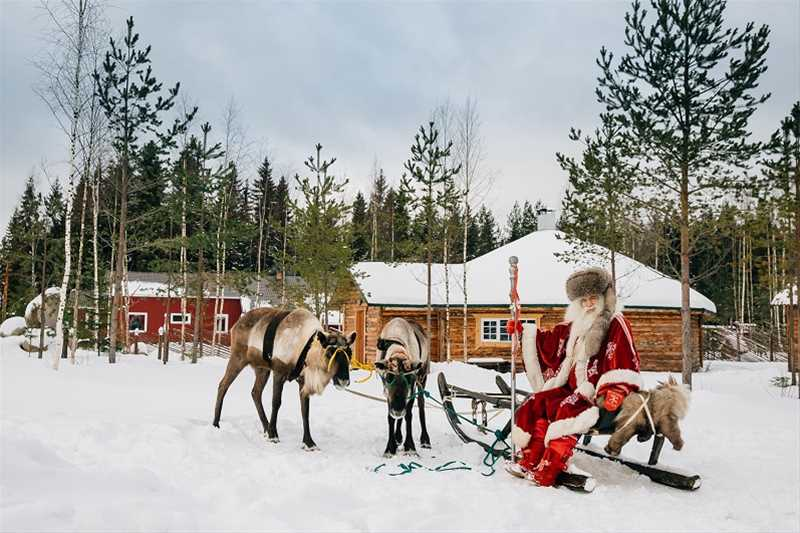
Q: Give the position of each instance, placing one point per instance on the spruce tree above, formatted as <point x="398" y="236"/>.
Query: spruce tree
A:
<point x="684" y="91"/>
<point x="599" y="194"/>
<point x="359" y="243"/>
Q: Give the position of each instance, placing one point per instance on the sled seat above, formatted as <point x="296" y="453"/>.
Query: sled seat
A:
<point x="604" y="425"/>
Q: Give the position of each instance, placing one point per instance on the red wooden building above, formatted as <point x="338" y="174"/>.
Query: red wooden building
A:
<point x="154" y="303"/>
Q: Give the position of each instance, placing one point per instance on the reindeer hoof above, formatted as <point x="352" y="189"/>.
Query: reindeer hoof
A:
<point x="274" y="439"/>
<point x="425" y="445"/>
<point x="611" y="451"/>
<point x="312" y="448"/>
<point x="410" y="453"/>
<point x="388" y="455"/>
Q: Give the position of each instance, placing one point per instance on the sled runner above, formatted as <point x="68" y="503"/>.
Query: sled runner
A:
<point x="479" y="401"/>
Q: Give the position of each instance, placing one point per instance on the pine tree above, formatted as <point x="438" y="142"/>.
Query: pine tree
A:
<point x="321" y="233"/>
<point x="428" y="170"/>
<point x="126" y="89"/>
<point x="692" y="137"/>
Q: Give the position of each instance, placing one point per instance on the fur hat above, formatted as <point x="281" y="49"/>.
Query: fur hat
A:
<point x="594" y="281"/>
<point x="588" y="281"/>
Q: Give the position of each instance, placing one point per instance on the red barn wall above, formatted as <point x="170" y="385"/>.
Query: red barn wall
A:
<point x="156" y="310"/>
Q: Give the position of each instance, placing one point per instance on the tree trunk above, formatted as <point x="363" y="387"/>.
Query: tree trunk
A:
<point x="184" y="260"/>
<point x="42" y="292"/>
<point x="78" y="269"/>
<point x="116" y="307"/>
<point x="686" y="313"/>
<point x="446" y="295"/>
<point x="96" y="261"/>
<point x="464" y="347"/>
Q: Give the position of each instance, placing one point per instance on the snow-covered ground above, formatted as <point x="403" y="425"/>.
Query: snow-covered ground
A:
<point x="131" y="447"/>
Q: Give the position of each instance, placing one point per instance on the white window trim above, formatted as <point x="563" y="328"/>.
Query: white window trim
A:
<point x="497" y="339"/>
<point x="137" y="313"/>
<point x="172" y="319"/>
<point x="227" y="323"/>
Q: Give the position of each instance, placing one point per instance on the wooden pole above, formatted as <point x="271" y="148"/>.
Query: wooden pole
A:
<point x="516" y="345"/>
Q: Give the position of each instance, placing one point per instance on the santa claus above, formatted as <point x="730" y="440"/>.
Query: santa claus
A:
<point x="587" y="362"/>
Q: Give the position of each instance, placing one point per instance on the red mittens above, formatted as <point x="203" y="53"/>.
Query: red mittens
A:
<point x="614" y="398"/>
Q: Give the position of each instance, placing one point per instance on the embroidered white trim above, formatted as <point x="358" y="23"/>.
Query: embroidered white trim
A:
<point x="519" y="436"/>
<point x="531" y="358"/>
<point x="570" y="426"/>
<point x="621" y="375"/>
<point x="586" y="389"/>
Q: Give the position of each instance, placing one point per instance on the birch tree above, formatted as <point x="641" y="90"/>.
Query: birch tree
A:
<point x="66" y="89"/>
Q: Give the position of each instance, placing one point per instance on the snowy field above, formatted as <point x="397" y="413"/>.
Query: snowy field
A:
<point x="131" y="447"/>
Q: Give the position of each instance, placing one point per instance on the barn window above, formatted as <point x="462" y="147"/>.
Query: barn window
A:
<point x="221" y="325"/>
<point x="178" y="318"/>
<point x="137" y="322"/>
<point x="494" y="329"/>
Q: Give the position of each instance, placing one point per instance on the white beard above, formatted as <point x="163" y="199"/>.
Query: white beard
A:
<point x="581" y="321"/>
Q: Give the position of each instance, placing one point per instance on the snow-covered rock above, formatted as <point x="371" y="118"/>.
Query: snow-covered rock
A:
<point x="12" y="326"/>
<point x="51" y="299"/>
<point x="30" y="343"/>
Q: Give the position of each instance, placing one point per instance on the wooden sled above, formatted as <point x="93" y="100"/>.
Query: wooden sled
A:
<point x="663" y="475"/>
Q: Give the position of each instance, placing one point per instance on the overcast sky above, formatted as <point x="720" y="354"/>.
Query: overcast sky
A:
<point x="360" y="78"/>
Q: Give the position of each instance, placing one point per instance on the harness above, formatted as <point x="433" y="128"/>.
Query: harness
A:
<point x="646" y="410"/>
<point x="301" y="361"/>
<point x="269" y="334"/>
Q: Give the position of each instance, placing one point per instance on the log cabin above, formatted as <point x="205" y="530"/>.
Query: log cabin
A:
<point x="381" y="291"/>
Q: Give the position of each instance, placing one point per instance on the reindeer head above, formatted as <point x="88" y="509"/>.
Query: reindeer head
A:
<point x="399" y="375"/>
<point x="338" y="350"/>
<point x="669" y="403"/>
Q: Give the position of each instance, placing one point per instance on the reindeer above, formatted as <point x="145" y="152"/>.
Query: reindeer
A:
<point x="291" y="345"/>
<point x="403" y="364"/>
<point x="667" y="404"/>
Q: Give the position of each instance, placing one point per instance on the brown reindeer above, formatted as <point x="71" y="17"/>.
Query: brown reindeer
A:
<point x="298" y="347"/>
<point x="667" y="403"/>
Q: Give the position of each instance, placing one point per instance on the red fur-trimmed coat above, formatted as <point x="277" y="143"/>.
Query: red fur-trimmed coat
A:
<point x="566" y="381"/>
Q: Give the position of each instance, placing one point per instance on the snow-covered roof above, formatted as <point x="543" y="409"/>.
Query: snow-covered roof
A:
<point x="542" y="274"/>
<point x="782" y="298"/>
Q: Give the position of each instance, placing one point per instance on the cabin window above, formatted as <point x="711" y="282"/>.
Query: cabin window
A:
<point x="179" y="318"/>
<point x="137" y="322"/>
<point x="494" y="329"/>
<point x="221" y="325"/>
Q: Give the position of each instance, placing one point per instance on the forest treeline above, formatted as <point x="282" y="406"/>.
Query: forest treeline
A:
<point x="672" y="179"/>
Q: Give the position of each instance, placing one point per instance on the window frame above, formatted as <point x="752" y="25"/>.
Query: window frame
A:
<point x="227" y="323"/>
<point x="138" y="313"/>
<point x="172" y="320"/>
<point x="499" y="328"/>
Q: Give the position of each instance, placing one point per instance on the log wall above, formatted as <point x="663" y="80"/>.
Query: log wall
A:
<point x="656" y="333"/>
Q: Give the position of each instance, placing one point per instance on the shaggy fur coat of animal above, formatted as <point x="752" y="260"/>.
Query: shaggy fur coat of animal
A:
<point x="668" y="403"/>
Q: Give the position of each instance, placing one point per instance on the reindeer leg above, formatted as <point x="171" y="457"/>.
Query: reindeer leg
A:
<point x="235" y="365"/>
<point x="398" y="432"/>
<point x="277" y="393"/>
<point x="424" y="439"/>
<point x="391" y="444"/>
<point x="408" y="445"/>
<point x="305" y="404"/>
<point x="619" y="439"/>
<point x="262" y="376"/>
